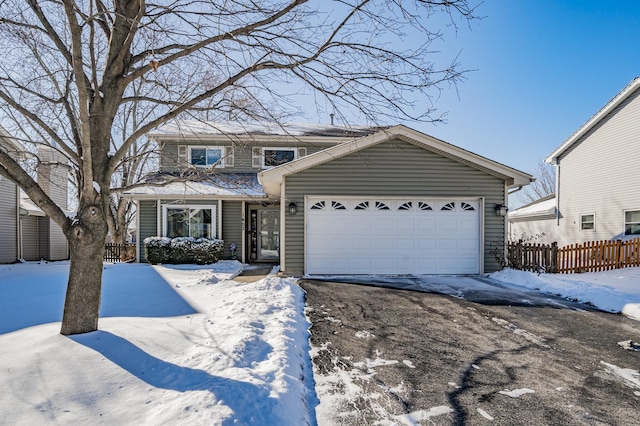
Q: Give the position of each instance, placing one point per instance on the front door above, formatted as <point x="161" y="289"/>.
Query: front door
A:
<point x="265" y="238"/>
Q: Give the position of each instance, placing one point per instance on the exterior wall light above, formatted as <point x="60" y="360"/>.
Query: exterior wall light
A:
<point x="293" y="209"/>
<point x="501" y="210"/>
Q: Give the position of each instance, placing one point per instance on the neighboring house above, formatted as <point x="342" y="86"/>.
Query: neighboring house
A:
<point x="27" y="232"/>
<point x="598" y="178"/>
<point x="330" y="200"/>
<point x="9" y="200"/>
<point x="534" y="222"/>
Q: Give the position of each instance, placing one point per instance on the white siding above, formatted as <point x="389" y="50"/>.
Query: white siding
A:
<point x="542" y="231"/>
<point x="600" y="174"/>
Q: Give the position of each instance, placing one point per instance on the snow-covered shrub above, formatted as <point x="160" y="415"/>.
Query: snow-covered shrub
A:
<point x="181" y="249"/>
<point x="205" y="251"/>
<point x="157" y="249"/>
<point x="200" y="251"/>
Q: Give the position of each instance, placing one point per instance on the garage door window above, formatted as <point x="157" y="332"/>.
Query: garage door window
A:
<point x="467" y="207"/>
<point x="448" y="207"/>
<point x="337" y="205"/>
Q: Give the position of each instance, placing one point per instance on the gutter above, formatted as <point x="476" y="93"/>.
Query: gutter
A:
<point x="515" y="190"/>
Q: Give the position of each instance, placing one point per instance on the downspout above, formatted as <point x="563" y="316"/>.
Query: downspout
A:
<point x="18" y="227"/>
<point x="557" y="192"/>
<point x="283" y="219"/>
<point x="138" y="231"/>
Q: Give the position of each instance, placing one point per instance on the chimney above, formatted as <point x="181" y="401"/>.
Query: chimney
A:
<point x="331" y="117"/>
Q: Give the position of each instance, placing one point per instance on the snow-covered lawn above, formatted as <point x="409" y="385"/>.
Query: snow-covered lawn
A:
<point x="617" y="290"/>
<point x="177" y="345"/>
<point x="188" y="345"/>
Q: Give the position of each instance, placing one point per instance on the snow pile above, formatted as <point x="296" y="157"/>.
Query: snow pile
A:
<point x="178" y="344"/>
<point x="614" y="291"/>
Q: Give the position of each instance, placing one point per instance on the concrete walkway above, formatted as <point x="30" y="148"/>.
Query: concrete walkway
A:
<point x="254" y="272"/>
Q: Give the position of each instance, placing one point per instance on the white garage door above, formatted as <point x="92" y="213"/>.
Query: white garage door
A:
<point x="392" y="236"/>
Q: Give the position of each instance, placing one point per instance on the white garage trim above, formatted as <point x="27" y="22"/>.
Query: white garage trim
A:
<point x="393" y="235"/>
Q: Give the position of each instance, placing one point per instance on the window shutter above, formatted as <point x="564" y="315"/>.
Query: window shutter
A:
<point x="302" y="152"/>
<point x="256" y="157"/>
<point x="183" y="160"/>
<point x="228" y="157"/>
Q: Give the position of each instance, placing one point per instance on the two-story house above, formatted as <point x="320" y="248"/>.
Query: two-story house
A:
<point x="27" y="233"/>
<point x="328" y="199"/>
<point x="597" y="180"/>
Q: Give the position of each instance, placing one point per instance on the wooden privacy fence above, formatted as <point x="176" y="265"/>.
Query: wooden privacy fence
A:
<point x="597" y="256"/>
<point x="119" y="252"/>
<point x="592" y="256"/>
<point x="533" y="257"/>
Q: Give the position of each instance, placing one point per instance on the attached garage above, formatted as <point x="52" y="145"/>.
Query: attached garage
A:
<point x="383" y="235"/>
<point x="395" y="202"/>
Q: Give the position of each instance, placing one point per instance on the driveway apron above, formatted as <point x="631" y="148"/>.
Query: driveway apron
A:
<point x="396" y="356"/>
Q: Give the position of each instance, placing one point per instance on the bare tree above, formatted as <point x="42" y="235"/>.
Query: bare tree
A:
<point x="70" y="69"/>
<point x="545" y="183"/>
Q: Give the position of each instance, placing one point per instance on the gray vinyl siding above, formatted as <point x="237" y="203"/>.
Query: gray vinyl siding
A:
<point x="29" y="229"/>
<point x="242" y="154"/>
<point x="599" y="175"/>
<point x="394" y="168"/>
<point x="43" y="238"/>
<point x="8" y="222"/>
<point x="148" y="224"/>
<point x="58" y="248"/>
<point x="232" y="227"/>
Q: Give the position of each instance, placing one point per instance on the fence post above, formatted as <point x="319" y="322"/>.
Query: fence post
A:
<point x="620" y="257"/>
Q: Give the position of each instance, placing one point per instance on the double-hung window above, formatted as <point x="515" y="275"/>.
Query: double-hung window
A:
<point x="206" y="156"/>
<point x="632" y="222"/>
<point x="587" y="222"/>
<point x="272" y="157"/>
<point x="189" y="221"/>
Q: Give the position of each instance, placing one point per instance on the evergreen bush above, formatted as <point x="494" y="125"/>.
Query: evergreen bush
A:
<point x="200" y="251"/>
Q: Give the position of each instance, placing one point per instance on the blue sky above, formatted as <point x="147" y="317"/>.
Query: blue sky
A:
<point x="541" y="69"/>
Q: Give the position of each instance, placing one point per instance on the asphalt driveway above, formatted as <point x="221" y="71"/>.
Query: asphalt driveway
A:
<point x="408" y="355"/>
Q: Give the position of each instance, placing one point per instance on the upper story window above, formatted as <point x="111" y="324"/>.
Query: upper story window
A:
<point x="272" y="157"/>
<point x="587" y="222"/>
<point x="632" y="222"/>
<point x="206" y="156"/>
<point x="267" y="157"/>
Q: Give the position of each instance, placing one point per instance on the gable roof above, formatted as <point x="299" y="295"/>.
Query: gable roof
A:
<point x="542" y="208"/>
<point x="272" y="178"/>
<point x="9" y="143"/>
<point x="594" y="120"/>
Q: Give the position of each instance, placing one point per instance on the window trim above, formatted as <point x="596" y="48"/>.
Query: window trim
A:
<point x="276" y="148"/>
<point x="582" y="228"/>
<point x="624" y="221"/>
<point x="212" y="207"/>
<point x="219" y="164"/>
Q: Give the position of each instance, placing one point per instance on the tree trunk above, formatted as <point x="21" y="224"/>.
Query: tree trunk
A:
<point x="86" y="250"/>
